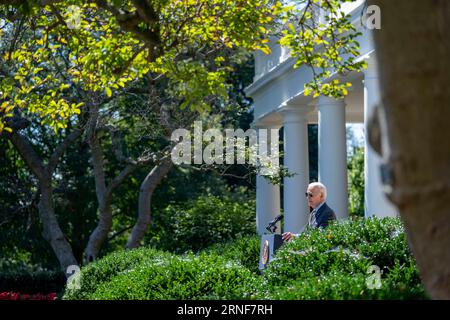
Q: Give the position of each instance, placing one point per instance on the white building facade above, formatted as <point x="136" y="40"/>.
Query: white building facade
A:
<point x="279" y="101"/>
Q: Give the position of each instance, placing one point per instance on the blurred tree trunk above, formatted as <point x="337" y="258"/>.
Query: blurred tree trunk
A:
<point x="51" y="229"/>
<point x="104" y="192"/>
<point x="148" y="186"/>
<point x="413" y="52"/>
<point x="100" y="233"/>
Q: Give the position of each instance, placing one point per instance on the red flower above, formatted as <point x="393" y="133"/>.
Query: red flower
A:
<point x="20" y="296"/>
<point x="51" y="296"/>
<point x="4" y="296"/>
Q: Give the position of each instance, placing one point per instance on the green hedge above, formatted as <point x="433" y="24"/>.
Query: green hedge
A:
<point x="327" y="263"/>
<point x="244" y="250"/>
<point x="104" y="270"/>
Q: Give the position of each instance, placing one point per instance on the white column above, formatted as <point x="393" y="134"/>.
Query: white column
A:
<point x="267" y="194"/>
<point x="333" y="153"/>
<point x="296" y="160"/>
<point x="375" y="203"/>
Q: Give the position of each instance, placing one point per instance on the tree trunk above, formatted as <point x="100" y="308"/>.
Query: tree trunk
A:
<point x="100" y="233"/>
<point x="51" y="230"/>
<point x="104" y="225"/>
<point x="413" y="52"/>
<point x="148" y="186"/>
<point x="104" y="198"/>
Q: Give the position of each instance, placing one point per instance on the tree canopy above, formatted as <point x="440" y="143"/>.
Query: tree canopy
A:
<point x="104" y="45"/>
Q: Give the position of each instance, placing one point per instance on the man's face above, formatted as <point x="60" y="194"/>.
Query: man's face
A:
<point x="315" y="197"/>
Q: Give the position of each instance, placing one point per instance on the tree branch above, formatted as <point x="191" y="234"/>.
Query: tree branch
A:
<point x="54" y="158"/>
<point x="30" y="156"/>
<point x="146" y="11"/>
<point x="120" y="178"/>
<point x="97" y="163"/>
<point x="118" y="233"/>
<point x="129" y="22"/>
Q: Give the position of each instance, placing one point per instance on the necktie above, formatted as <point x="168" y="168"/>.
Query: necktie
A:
<point x="312" y="218"/>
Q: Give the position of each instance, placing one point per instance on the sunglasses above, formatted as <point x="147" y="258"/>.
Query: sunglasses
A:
<point x="309" y="194"/>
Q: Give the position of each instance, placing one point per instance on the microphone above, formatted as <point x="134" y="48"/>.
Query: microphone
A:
<point x="271" y="227"/>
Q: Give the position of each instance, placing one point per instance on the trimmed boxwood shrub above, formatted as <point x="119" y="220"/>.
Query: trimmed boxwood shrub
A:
<point x="244" y="250"/>
<point x="397" y="284"/>
<point x="103" y="270"/>
<point x="187" y="277"/>
<point x="333" y="263"/>
<point x="160" y="275"/>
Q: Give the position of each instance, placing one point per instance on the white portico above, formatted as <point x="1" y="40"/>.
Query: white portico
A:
<point x="279" y="101"/>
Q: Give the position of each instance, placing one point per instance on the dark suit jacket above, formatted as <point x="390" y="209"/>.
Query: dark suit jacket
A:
<point x="324" y="215"/>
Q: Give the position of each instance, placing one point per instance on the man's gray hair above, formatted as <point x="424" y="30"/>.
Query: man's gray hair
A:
<point x="321" y="187"/>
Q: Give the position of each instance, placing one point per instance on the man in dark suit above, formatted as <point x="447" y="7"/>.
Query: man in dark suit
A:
<point x="321" y="213"/>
